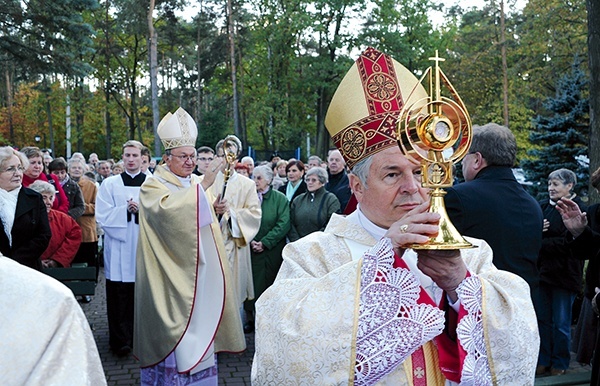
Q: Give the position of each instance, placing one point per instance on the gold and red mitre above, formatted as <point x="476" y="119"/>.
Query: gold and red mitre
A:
<point x="363" y="113"/>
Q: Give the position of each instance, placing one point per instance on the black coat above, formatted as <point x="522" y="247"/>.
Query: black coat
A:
<point x="76" y="202"/>
<point x="301" y="189"/>
<point x="496" y="208"/>
<point x="557" y="265"/>
<point x="587" y="246"/>
<point x="339" y="184"/>
<point x="30" y="232"/>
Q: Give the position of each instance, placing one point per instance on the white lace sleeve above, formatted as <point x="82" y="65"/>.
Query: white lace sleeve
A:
<point x="476" y="369"/>
<point x="391" y="325"/>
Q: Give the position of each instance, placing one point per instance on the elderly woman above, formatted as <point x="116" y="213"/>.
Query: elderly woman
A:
<point x="560" y="278"/>
<point x="279" y="175"/>
<point x="66" y="234"/>
<point x="270" y="239"/>
<point x="310" y="212"/>
<point x="25" y="232"/>
<point x="35" y="171"/>
<point x="295" y="184"/>
<point x="88" y="250"/>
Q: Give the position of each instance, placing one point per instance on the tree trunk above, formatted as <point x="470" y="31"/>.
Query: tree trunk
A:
<point x="79" y="115"/>
<point x="231" y="32"/>
<point x="107" y="90"/>
<point x="322" y="142"/>
<point x="199" y="65"/>
<point x="504" y="64"/>
<point x="593" y="16"/>
<point x="152" y="52"/>
<point x="107" y="121"/>
<point x="9" y="104"/>
<point x="50" y="129"/>
<point x="68" y="128"/>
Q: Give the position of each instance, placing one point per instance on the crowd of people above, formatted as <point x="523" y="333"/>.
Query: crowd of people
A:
<point x="321" y="259"/>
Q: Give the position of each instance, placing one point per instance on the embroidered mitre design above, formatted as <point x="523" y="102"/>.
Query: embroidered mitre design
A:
<point x="364" y="110"/>
<point x="391" y="325"/>
<point x="177" y="130"/>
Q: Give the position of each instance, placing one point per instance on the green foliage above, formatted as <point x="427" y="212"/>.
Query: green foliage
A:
<point x="544" y="54"/>
<point x="474" y="64"/>
<point x="562" y="133"/>
<point x="44" y="37"/>
<point x="291" y="55"/>
<point x="213" y="127"/>
<point x="403" y="30"/>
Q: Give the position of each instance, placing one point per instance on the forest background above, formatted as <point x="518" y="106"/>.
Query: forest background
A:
<point x="102" y="72"/>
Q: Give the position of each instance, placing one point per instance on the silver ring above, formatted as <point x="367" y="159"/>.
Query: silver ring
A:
<point x="214" y="170"/>
<point x="403" y="228"/>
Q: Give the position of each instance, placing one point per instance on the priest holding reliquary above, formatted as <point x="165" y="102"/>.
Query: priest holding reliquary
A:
<point x="391" y="294"/>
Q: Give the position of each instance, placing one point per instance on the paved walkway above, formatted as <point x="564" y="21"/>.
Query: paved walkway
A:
<point x="234" y="370"/>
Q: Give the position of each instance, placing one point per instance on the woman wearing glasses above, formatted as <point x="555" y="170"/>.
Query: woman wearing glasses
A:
<point x="25" y="229"/>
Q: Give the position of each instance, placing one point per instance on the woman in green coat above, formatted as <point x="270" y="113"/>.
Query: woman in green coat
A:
<point x="270" y="239"/>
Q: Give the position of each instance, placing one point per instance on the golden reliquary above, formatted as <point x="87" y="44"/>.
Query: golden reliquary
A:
<point x="436" y="131"/>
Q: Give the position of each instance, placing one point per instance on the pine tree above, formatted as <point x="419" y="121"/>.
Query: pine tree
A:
<point x="46" y="37"/>
<point x="561" y="136"/>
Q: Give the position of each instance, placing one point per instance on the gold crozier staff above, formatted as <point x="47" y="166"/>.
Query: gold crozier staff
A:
<point x="231" y="150"/>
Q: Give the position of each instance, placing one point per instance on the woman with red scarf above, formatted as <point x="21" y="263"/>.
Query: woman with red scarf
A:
<point x="35" y="172"/>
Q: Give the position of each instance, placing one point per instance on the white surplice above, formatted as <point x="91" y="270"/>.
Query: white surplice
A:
<point x="120" y="235"/>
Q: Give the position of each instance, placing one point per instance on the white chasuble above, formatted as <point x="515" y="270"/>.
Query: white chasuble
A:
<point x="332" y="320"/>
<point x="239" y="227"/>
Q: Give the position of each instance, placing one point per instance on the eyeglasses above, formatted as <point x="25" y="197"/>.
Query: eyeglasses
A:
<point x="184" y="158"/>
<point x="14" y="169"/>
<point x="205" y="159"/>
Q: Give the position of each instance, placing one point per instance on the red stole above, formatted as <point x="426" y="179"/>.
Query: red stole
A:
<point x="451" y="355"/>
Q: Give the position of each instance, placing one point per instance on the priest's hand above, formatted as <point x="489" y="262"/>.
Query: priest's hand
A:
<point x="574" y="219"/>
<point x="415" y="227"/>
<point x="446" y="268"/>
<point x="211" y="172"/>
<point x="220" y="206"/>
<point x="132" y="206"/>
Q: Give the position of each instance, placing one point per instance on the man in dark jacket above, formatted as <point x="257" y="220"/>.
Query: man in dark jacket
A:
<point x="493" y="206"/>
<point x="338" y="178"/>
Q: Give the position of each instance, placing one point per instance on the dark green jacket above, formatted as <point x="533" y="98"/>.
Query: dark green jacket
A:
<point x="311" y="212"/>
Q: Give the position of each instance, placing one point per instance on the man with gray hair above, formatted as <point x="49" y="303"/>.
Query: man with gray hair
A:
<point x="184" y="313"/>
<point x="493" y="206"/>
<point x="313" y="161"/>
<point x="357" y="304"/>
